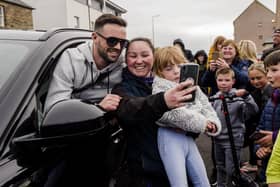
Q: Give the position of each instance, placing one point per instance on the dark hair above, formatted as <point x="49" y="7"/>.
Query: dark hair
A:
<point x="201" y="53"/>
<point x="108" y="19"/>
<point x="272" y="59"/>
<point x="143" y="39"/>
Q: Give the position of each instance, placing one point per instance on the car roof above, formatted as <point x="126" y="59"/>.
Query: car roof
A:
<point x="20" y="34"/>
<point x="34" y="35"/>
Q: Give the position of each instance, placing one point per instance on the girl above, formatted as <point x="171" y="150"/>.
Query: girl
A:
<point x="261" y="94"/>
<point x="179" y="152"/>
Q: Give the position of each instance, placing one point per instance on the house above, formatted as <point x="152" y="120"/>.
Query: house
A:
<point x="15" y="14"/>
<point x="70" y="13"/>
<point x="255" y="23"/>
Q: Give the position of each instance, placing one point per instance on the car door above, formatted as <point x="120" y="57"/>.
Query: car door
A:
<point x="23" y="102"/>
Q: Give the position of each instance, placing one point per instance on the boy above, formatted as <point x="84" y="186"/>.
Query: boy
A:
<point x="239" y="110"/>
<point x="270" y="119"/>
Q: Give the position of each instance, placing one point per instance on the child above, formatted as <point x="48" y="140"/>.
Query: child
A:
<point x="179" y="152"/>
<point x="270" y="118"/>
<point x="261" y="94"/>
<point x="239" y="109"/>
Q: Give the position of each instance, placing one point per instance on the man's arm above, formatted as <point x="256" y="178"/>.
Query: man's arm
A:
<point x="61" y="85"/>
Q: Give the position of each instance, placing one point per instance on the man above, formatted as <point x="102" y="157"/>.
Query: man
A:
<point x="90" y="70"/>
<point x="276" y="44"/>
<point x="187" y="53"/>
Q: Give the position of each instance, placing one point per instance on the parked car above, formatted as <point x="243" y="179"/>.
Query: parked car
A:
<point x="29" y="141"/>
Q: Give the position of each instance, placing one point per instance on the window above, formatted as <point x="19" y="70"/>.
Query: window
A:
<point x="2" y="24"/>
<point x="76" y="22"/>
<point x="92" y="25"/>
<point x="260" y="24"/>
<point x="260" y="37"/>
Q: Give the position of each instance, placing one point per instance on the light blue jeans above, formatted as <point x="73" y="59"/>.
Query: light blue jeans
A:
<point x="181" y="158"/>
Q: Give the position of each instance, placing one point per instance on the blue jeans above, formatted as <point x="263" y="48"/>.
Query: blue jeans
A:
<point x="181" y="158"/>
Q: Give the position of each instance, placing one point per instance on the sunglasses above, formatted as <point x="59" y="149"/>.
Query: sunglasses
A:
<point x="113" y="41"/>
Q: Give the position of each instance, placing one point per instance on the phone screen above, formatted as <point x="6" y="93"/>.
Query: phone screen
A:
<point x="190" y="71"/>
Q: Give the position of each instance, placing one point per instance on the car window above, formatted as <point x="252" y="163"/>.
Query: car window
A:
<point x="11" y="54"/>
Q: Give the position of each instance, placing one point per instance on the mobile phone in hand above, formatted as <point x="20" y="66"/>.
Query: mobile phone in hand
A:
<point x="256" y="135"/>
<point x="190" y="71"/>
<point x="215" y="55"/>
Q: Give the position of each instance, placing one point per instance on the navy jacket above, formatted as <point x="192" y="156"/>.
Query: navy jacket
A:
<point x="137" y="113"/>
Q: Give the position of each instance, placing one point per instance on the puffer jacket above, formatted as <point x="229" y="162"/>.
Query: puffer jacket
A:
<point x="239" y="110"/>
<point x="77" y="77"/>
<point x="270" y="118"/>
<point x="193" y="116"/>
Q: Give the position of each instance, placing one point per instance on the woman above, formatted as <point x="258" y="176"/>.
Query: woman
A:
<point x="138" y="112"/>
<point x="230" y="58"/>
<point x="248" y="51"/>
<point x="216" y="46"/>
<point x="200" y="58"/>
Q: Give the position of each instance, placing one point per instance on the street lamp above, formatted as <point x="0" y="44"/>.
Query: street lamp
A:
<point x="153" y="27"/>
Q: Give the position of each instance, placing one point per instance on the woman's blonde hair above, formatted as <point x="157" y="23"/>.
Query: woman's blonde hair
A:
<point x="258" y="66"/>
<point x="248" y="50"/>
<point x="167" y="56"/>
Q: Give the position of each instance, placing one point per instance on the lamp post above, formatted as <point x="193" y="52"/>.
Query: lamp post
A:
<point x="153" y="27"/>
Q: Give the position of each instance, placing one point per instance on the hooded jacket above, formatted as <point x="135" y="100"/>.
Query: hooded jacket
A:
<point x="193" y="116"/>
<point x="77" y="77"/>
<point x="239" y="110"/>
<point x="187" y="53"/>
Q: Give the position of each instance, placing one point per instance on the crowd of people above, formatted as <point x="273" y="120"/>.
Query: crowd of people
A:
<point x="143" y="92"/>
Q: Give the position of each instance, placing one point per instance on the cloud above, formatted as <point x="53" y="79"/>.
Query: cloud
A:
<point x="196" y="22"/>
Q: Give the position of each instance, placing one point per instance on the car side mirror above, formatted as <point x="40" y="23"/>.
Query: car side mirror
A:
<point x="72" y="117"/>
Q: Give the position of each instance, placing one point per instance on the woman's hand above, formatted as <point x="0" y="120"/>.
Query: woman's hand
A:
<point x="221" y="63"/>
<point x="179" y="95"/>
<point x="212" y="65"/>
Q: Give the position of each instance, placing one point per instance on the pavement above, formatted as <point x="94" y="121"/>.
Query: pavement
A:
<point x="204" y="146"/>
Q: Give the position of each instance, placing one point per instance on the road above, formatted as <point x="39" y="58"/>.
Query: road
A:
<point x="204" y="145"/>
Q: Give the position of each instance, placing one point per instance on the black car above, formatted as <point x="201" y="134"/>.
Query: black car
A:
<point x="30" y="142"/>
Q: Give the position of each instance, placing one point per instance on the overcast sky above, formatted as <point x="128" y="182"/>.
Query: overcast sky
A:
<point x="197" y="22"/>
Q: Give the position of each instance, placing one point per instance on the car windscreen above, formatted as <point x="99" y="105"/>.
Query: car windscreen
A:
<point x="12" y="53"/>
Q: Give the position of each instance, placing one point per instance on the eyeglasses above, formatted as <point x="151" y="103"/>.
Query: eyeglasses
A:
<point x="113" y="41"/>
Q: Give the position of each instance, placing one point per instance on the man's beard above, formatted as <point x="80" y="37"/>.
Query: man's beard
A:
<point x="103" y="53"/>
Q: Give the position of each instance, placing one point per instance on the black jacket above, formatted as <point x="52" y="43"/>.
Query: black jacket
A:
<point x="137" y="113"/>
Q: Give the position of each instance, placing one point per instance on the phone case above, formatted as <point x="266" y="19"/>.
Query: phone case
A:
<point x="190" y="70"/>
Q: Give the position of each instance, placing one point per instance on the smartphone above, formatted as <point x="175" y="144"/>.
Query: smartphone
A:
<point x="190" y="71"/>
<point x="256" y="135"/>
<point x="215" y="55"/>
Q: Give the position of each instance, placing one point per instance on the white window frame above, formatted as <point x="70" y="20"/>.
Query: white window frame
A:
<point x="2" y="16"/>
<point x="76" y="22"/>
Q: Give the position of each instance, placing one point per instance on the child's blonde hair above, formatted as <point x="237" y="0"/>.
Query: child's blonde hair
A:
<point x="167" y="56"/>
<point x="257" y="66"/>
<point x="224" y="71"/>
<point x="248" y="50"/>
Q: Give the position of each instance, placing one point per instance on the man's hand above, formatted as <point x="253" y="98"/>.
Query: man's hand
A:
<point x="266" y="141"/>
<point x="110" y="102"/>
<point x="178" y="96"/>
<point x="241" y="92"/>
<point x="262" y="152"/>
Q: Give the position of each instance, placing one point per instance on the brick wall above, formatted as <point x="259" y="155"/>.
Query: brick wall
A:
<point x="17" y="17"/>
